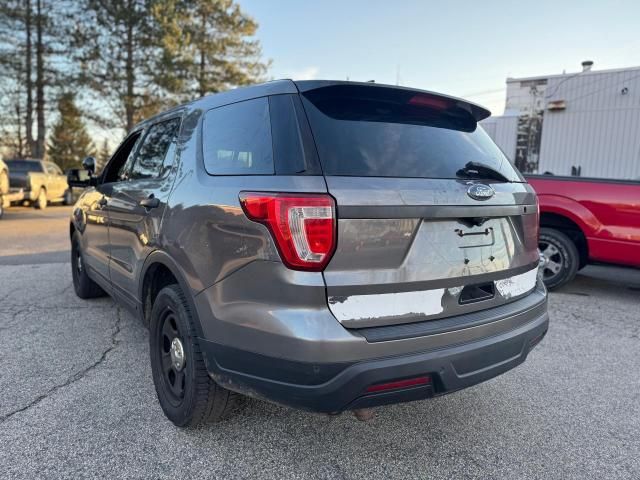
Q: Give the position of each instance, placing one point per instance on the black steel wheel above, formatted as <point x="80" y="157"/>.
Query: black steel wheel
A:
<point x="560" y="258"/>
<point x="174" y="365"/>
<point x="186" y="392"/>
<point x="82" y="284"/>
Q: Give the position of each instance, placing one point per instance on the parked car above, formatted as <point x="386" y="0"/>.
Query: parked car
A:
<point x="4" y="178"/>
<point x="4" y="185"/>
<point x="42" y="182"/>
<point x="586" y="220"/>
<point x="324" y="245"/>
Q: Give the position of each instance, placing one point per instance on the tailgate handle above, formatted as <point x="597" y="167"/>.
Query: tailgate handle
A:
<point x="477" y="293"/>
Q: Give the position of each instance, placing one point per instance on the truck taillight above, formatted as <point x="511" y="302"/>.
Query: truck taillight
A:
<point x="303" y="226"/>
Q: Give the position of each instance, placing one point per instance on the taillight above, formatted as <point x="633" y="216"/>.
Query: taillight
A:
<point x="302" y="225"/>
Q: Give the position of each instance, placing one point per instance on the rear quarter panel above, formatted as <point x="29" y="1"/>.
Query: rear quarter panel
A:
<point x="204" y="228"/>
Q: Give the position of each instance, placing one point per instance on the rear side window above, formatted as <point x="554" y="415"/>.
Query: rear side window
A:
<point x="157" y="151"/>
<point x="385" y="132"/>
<point x="237" y="139"/>
<point x="53" y="169"/>
<point x="24" y="166"/>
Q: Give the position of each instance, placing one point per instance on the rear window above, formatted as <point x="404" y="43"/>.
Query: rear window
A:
<point x="237" y="139"/>
<point x="23" y="166"/>
<point x="370" y="131"/>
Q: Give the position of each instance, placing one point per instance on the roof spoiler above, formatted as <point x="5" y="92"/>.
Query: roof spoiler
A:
<point x="477" y="112"/>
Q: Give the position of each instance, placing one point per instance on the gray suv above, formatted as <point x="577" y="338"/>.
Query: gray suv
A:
<point x="325" y="245"/>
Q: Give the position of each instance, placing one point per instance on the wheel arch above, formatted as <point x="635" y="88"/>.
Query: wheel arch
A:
<point x="159" y="270"/>
<point x="571" y="229"/>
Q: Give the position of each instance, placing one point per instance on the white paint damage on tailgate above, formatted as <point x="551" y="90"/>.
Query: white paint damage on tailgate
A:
<point x="419" y="303"/>
<point x="518" y="284"/>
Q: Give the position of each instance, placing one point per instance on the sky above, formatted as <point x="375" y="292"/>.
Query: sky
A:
<point x="461" y="48"/>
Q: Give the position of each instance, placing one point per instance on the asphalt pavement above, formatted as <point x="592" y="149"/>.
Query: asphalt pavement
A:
<point x="77" y="399"/>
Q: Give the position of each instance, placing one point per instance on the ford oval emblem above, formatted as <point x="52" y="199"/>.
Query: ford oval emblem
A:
<point x="480" y="191"/>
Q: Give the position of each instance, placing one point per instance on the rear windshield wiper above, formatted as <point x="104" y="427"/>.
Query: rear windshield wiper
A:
<point x="480" y="171"/>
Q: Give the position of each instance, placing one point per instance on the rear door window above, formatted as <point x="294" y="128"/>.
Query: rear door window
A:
<point x="237" y="139"/>
<point x="370" y="131"/>
<point x="156" y="153"/>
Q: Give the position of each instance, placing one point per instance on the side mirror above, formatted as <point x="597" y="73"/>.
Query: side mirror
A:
<point x="79" y="177"/>
<point x="89" y="164"/>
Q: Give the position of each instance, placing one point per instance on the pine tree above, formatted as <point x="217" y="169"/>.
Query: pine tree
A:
<point x="140" y="56"/>
<point x="69" y="143"/>
<point x="115" y="47"/>
<point x="207" y="47"/>
<point x="34" y="65"/>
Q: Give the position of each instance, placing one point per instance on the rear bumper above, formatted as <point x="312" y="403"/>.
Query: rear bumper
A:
<point x="334" y="387"/>
<point x="12" y="196"/>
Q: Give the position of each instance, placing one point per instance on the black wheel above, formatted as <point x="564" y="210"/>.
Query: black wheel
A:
<point x="82" y="284"/>
<point x="41" y="201"/>
<point x="1" y="206"/>
<point x="560" y="257"/>
<point x="187" y="394"/>
<point x="67" y="199"/>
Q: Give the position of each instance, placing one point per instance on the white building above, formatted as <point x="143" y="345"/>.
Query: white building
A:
<point x="585" y="123"/>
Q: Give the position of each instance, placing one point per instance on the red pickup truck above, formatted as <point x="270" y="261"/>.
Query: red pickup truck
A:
<point x="586" y="220"/>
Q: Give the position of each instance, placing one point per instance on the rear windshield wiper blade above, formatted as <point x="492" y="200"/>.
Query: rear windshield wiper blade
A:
<point x="480" y="171"/>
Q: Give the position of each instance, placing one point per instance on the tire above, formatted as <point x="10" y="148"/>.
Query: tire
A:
<point x="84" y="287"/>
<point x="187" y="394"/>
<point x="67" y="199"/>
<point x="561" y="258"/>
<point x="4" y="183"/>
<point x="1" y="206"/>
<point x="41" y="201"/>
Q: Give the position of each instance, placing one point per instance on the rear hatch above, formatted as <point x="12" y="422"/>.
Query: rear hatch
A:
<point x="433" y="220"/>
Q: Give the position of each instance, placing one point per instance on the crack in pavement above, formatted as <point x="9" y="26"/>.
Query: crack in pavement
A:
<point x="76" y="376"/>
<point x="47" y="308"/>
<point x="13" y="322"/>
<point x="9" y="293"/>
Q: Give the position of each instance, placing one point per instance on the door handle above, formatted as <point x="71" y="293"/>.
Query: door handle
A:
<point x="151" y="202"/>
